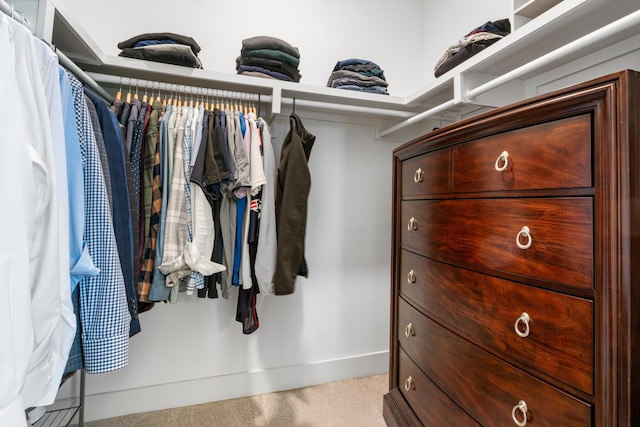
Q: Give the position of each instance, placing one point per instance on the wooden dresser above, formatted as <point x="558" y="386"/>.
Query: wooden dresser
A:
<point x="515" y="270"/>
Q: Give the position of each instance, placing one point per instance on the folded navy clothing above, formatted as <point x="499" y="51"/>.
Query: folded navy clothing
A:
<point x="270" y="64"/>
<point x="501" y="27"/>
<point x="471" y="44"/>
<point x="144" y="43"/>
<point x="358" y="74"/>
<point x="257" y="74"/>
<point x="365" y="70"/>
<point x="355" y="61"/>
<point x="178" y="38"/>
<point x="355" y="81"/>
<point x="253" y="68"/>
<point x="268" y="42"/>
<point x="371" y="89"/>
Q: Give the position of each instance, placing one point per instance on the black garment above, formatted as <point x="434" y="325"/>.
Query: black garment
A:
<point x="216" y="163"/>
<point x="468" y="46"/>
<point x="121" y="208"/>
<point x="246" y="312"/>
<point x="178" y="38"/>
<point x="176" y="55"/>
<point x="123" y="117"/>
<point x="292" y="192"/>
<point x="268" y="42"/>
<point x="270" y="64"/>
<point x="197" y="171"/>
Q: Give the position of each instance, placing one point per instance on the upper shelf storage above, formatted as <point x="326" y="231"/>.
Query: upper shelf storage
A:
<point x="556" y="33"/>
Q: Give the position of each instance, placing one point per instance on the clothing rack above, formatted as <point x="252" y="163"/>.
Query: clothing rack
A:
<point x="10" y="10"/>
<point x="60" y="416"/>
<point x="82" y="76"/>
<point x="179" y="90"/>
<point x="253" y="97"/>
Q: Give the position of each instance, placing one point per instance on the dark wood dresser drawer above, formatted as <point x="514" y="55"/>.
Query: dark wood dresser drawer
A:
<point x="486" y="233"/>
<point x="556" y="154"/>
<point x="486" y="387"/>
<point x="426" y="174"/>
<point x="558" y="328"/>
<point x="430" y="404"/>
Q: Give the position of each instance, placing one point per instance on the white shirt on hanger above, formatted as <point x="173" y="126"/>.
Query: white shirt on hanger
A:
<point x="30" y="305"/>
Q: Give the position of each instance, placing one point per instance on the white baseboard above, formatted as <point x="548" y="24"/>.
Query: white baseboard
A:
<point x="202" y="390"/>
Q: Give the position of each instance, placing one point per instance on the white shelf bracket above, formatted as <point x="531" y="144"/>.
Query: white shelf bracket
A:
<point x="510" y="92"/>
<point x="418" y="117"/>
<point x="276" y="101"/>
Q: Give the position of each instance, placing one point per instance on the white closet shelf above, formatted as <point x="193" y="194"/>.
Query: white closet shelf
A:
<point x="553" y="36"/>
<point x="533" y="8"/>
<point x="274" y="90"/>
<point x="446" y="97"/>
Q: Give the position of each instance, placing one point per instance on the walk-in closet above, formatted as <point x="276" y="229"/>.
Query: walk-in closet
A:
<point x="206" y="201"/>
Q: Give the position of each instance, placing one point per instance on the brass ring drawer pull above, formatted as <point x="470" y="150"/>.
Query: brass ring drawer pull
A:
<point x="411" y="277"/>
<point x="418" y="176"/>
<point x="409" y="385"/>
<point x="409" y="331"/>
<point x="525" y="232"/>
<point x="524" y="320"/>
<point x="522" y="408"/>
<point x="502" y="161"/>
<point x="413" y="224"/>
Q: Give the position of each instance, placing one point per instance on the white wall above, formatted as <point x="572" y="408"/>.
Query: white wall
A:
<point x="336" y="324"/>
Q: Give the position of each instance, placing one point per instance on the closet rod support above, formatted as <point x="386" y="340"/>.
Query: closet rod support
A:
<point x="346" y="108"/>
<point x="418" y="117"/>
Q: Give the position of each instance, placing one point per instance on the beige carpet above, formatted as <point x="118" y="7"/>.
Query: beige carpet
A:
<point x="353" y="403"/>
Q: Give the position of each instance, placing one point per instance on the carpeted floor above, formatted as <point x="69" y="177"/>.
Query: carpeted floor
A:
<point x="353" y="403"/>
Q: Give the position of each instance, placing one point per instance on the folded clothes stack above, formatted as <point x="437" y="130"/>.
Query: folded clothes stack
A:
<point x="471" y="44"/>
<point x="358" y="74"/>
<point x="169" y="48"/>
<point x="269" y="57"/>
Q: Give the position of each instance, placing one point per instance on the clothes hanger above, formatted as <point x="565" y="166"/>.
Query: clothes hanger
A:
<point x="135" y="95"/>
<point x="119" y="92"/>
<point x="128" y="99"/>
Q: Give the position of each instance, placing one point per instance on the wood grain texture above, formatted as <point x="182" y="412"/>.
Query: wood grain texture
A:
<point x="484" y="385"/>
<point x="482" y="232"/>
<point x="549" y="155"/>
<point x="484" y="309"/>
<point x="574" y="180"/>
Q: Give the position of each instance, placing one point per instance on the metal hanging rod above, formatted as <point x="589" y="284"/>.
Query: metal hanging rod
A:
<point x="418" y="117"/>
<point x="174" y="87"/>
<point x="63" y="60"/>
<point x="82" y="76"/>
<point x="10" y="10"/>
<point x="331" y="106"/>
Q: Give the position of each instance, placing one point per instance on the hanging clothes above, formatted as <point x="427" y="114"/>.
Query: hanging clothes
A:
<point x="104" y="311"/>
<point x="30" y="308"/>
<point x="292" y="192"/>
<point x="120" y="207"/>
<point x="267" y="249"/>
